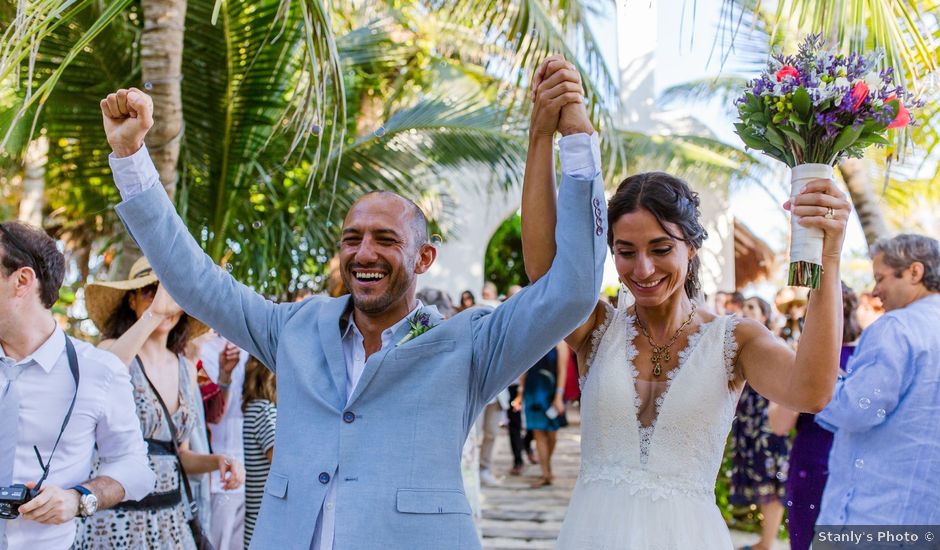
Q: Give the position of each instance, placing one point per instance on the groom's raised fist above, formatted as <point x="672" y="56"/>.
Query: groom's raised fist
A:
<point x="127" y="116"/>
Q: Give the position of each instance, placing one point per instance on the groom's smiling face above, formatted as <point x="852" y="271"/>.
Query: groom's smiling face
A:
<point x="383" y="248"/>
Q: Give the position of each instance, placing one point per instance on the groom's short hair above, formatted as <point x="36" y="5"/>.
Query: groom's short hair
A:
<point x="419" y="222"/>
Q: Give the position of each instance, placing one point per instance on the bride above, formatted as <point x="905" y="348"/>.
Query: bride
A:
<point x="660" y="379"/>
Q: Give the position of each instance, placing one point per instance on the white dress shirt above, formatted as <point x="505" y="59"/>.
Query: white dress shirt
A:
<point x="227" y="436"/>
<point x="104" y="415"/>
<point x="580" y="158"/>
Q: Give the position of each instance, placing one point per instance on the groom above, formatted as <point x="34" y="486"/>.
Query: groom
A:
<point x="372" y="415"/>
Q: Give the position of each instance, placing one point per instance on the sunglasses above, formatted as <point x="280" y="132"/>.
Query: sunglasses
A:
<point x="148" y="291"/>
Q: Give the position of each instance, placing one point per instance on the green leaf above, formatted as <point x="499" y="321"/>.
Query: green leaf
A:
<point x="775" y="138"/>
<point x="793" y="135"/>
<point x="847" y="137"/>
<point x="802" y="103"/>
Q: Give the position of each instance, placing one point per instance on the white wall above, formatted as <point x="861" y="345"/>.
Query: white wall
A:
<point x="481" y="208"/>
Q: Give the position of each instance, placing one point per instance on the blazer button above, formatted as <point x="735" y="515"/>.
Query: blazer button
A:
<point x="349" y="417"/>
<point x="324" y="478"/>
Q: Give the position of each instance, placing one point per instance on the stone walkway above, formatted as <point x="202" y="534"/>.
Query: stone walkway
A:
<point x="516" y="516"/>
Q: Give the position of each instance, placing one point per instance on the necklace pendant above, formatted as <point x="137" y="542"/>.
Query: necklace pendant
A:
<point x="657" y="369"/>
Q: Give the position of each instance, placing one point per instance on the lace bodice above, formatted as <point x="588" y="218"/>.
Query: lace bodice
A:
<point x="680" y="449"/>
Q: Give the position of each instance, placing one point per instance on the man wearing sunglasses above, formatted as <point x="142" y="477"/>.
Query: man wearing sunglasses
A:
<point x="60" y="398"/>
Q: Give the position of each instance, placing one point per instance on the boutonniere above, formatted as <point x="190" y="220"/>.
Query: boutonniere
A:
<point x="418" y="325"/>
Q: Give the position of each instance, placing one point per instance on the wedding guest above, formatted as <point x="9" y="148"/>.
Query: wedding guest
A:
<point x="759" y="458"/>
<point x="148" y="332"/>
<point x="488" y="425"/>
<point x="542" y="389"/>
<point x="490" y="295"/>
<point x="514" y="413"/>
<point x="734" y="304"/>
<point x="869" y="309"/>
<point x="721" y="300"/>
<point x="259" y="413"/>
<point x="199" y="443"/>
<point x="467" y="300"/>
<point x="225" y="363"/>
<point x="37" y="388"/>
<point x="884" y="412"/>
<point x="809" y="456"/>
<point x="791" y="302"/>
<point x="494" y="412"/>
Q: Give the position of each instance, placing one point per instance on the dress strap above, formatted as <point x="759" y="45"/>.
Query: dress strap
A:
<point x="598" y="334"/>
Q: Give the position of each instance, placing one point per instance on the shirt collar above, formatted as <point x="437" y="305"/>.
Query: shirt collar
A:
<point x="46" y="355"/>
<point x="348" y="325"/>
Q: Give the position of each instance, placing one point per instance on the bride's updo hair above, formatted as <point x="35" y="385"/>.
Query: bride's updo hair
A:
<point x="670" y="200"/>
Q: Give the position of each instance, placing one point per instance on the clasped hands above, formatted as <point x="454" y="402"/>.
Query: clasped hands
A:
<point x="558" y="100"/>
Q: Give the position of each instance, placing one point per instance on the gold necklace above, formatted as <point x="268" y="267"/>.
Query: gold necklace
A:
<point x="661" y="353"/>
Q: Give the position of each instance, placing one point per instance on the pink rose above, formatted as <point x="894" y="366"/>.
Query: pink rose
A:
<point x="903" y="118"/>
<point x="786" y="71"/>
<point x="859" y="93"/>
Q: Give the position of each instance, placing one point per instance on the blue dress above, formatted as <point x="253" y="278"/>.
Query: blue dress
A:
<point x="540" y="386"/>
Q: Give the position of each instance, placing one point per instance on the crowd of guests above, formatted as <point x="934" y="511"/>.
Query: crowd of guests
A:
<point x="830" y="468"/>
<point x="181" y="423"/>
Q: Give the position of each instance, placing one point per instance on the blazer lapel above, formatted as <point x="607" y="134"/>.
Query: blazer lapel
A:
<point x="375" y="360"/>
<point x="332" y="342"/>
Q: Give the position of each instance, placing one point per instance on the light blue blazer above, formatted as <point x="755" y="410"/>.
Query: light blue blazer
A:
<point x="395" y="445"/>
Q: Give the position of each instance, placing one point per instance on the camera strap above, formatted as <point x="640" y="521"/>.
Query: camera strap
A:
<point x="73" y="366"/>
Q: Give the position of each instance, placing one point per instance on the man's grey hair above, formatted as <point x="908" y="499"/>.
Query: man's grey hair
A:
<point x="903" y="250"/>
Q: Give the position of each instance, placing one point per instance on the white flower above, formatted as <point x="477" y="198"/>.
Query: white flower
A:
<point x="873" y="81"/>
<point x="842" y="82"/>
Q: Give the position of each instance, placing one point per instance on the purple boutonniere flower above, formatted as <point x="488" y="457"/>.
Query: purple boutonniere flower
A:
<point x="418" y="324"/>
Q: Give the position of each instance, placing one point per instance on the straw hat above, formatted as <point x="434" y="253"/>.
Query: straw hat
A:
<point x="102" y="299"/>
<point x="791" y="296"/>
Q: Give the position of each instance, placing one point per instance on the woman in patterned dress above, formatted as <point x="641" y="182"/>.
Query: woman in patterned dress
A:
<point x="759" y="460"/>
<point x="148" y="331"/>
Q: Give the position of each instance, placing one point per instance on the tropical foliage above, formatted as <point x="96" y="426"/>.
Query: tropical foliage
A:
<point x="290" y="112"/>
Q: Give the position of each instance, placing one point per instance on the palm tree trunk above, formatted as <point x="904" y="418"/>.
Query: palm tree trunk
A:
<point x="34" y="182"/>
<point x="161" y="59"/>
<point x="857" y="177"/>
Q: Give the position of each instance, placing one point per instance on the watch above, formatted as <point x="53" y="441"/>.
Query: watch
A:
<point x="87" y="502"/>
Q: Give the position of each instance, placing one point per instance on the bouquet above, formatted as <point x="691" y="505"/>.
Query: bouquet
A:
<point x="810" y="110"/>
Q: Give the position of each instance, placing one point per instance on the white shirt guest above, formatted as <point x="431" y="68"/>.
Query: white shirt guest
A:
<point x="36" y="390"/>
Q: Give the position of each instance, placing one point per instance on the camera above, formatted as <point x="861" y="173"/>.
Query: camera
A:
<point x="11" y="498"/>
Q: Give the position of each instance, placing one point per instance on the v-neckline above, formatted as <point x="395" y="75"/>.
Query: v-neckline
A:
<point x="647" y="432"/>
<point x="153" y="390"/>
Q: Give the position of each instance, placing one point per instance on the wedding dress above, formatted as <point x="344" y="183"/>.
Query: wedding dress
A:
<point x="651" y="451"/>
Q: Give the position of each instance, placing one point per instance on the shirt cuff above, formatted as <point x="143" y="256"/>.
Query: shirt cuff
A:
<point x="132" y="472"/>
<point x="134" y="174"/>
<point x="580" y="156"/>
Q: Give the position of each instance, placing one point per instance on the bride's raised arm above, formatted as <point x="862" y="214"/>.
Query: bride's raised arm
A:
<point x="558" y="106"/>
